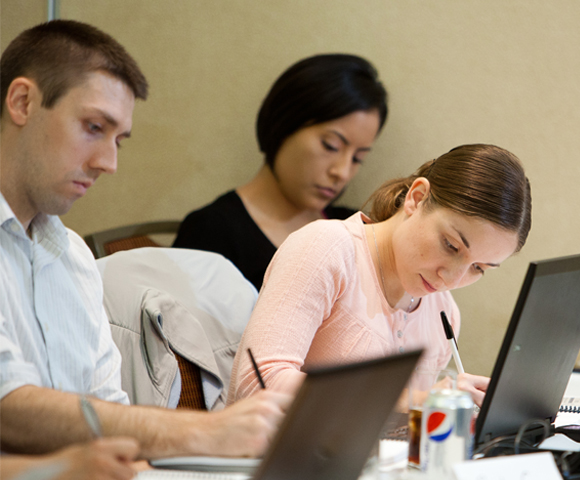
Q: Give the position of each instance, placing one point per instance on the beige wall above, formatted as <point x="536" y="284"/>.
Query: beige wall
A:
<point x="458" y="71"/>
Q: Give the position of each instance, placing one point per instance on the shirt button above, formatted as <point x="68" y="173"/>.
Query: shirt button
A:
<point x="401" y="350"/>
<point x="399" y="334"/>
<point x="14" y="227"/>
<point x="405" y="316"/>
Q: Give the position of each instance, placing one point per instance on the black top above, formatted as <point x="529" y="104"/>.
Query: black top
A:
<point x="225" y="227"/>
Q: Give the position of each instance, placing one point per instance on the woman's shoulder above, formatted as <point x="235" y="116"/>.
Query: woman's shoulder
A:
<point x="227" y="204"/>
<point x="223" y="212"/>
<point x="323" y="239"/>
<point x="324" y="229"/>
<point x="212" y="226"/>
<point x="322" y="252"/>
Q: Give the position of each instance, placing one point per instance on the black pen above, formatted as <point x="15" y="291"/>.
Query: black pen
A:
<point x="451" y="337"/>
<point x="260" y="379"/>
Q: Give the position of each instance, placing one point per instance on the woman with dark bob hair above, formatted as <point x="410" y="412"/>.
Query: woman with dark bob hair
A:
<point x="315" y="127"/>
<point x="369" y="286"/>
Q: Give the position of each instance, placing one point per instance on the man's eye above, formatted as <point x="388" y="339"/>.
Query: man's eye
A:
<point x="93" y="127"/>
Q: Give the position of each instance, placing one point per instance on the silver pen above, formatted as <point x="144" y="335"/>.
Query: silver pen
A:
<point x="90" y="416"/>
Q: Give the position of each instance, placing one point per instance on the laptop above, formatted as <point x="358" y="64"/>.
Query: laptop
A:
<point x="330" y="428"/>
<point x="538" y="353"/>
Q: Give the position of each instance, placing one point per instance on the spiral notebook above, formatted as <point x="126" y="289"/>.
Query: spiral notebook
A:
<point x="570" y="405"/>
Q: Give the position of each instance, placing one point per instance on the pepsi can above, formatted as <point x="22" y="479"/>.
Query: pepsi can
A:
<point x="446" y="431"/>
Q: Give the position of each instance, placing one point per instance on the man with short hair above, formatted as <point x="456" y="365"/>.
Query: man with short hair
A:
<point x="68" y="92"/>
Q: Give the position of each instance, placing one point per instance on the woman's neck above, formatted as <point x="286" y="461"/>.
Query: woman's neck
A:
<point x="276" y="216"/>
<point x="380" y="241"/>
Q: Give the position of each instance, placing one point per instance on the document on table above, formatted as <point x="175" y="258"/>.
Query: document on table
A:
<point x="533" y="466"/>
<point x="208" y="464"/>
<point x="159" y="474"/>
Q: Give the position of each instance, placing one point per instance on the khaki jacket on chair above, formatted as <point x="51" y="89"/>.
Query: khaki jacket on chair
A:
<point x="162" y="300"/>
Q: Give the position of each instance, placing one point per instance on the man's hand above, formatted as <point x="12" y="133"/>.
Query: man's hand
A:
<point x="246" y="428"/>
<point x="103" y="459"/>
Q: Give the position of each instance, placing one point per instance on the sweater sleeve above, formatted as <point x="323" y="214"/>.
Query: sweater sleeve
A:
<point x="307" y="276"/>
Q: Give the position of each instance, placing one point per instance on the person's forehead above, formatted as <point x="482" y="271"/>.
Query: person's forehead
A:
<point x="478" y="232"/>
<point x="102" y="92"/>
<point x="102" y="82"/>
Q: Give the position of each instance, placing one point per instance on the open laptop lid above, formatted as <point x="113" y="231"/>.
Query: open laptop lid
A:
<point x="335" y="419"/>
<point x="538" y="352"/>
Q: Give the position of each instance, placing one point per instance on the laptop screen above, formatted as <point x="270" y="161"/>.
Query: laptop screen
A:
<point x="335" y="420"/>
<point x="538" y="352"/>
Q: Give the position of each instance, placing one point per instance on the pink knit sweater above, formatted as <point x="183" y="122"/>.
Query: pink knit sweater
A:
<point x="321" y="303"/>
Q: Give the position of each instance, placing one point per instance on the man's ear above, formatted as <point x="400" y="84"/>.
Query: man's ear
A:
<point x="418" y="192"/>
<point x="21" y="95"/>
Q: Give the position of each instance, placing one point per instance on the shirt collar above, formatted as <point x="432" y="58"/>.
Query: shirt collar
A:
<point x="8" y="220"/>
<point x="45" y="228"/>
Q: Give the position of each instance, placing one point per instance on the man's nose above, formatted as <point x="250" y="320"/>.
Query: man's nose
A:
<point x="105" y="159"/>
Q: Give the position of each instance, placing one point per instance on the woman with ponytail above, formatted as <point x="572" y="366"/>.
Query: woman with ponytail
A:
<point x="369" y="286"/>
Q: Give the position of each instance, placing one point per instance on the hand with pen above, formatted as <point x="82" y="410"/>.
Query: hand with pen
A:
<point x="250" y="424"/>
<point x="476" y="385"/>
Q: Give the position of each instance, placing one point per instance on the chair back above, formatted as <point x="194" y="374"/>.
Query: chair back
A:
<point x="191" y="396"/>
<point x="114" y="240"/>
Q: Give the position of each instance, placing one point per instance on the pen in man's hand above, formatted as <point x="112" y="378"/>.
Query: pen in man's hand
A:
<point x="451" y="337"/>
<point x="90" y="416"/>
<point x="256" y="369"/>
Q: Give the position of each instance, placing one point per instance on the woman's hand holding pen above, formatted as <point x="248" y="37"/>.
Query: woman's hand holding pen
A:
<point x="476" y="385"/>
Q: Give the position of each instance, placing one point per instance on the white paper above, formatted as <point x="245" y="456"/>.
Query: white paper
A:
<point x="560" y="442"/>
<point x="393" y="451"/>
<point x="533" y="466"/>
<point x="182" y="475"/>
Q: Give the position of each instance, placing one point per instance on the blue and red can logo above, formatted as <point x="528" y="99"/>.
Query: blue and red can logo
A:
<point x="439" y="426"/>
